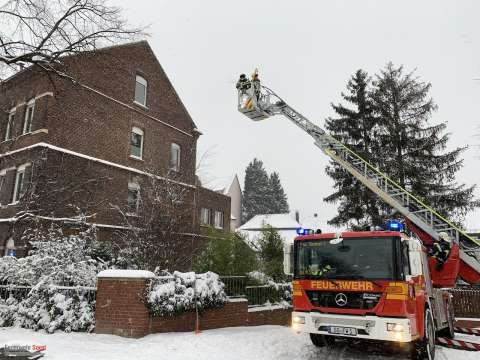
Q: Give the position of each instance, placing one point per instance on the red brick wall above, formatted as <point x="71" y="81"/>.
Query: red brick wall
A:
<point x="120" y="309"/>
<point x="270" y="317"/>
<point x="214" y="201"/>
<point x="232" y="314"/>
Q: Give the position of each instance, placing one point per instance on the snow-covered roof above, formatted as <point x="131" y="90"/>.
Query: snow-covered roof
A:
<point x="114" y="273"/>
<point x="277" y="221"/>
<point x="252" y="236"/>
<point x="219" y="184"/>
<point x="285" y="225"/>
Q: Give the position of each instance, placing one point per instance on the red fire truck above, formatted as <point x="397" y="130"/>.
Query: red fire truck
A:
<point x="377" y="285"/>
<point x="371" y="285"/>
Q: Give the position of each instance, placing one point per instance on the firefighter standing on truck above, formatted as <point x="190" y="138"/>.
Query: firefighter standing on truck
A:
<point x="440" y="250"/>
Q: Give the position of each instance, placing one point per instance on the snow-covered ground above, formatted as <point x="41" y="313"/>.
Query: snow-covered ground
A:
<point x="262" y="342"/>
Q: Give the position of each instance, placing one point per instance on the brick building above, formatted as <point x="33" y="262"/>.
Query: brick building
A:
<point x="87" y="144"/>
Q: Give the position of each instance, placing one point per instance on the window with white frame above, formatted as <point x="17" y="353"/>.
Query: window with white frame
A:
<point x="27" y="124"/>
<point x="136" y="143"/>
<point x="141" y="90"/>
<point x="205" y="216"/>
<point x="218" y="220"/>
<point x="175" y="157"/>
<point x="133" y="199"/>
<point x="10" y="122"/>
<point x="19" y="189"/>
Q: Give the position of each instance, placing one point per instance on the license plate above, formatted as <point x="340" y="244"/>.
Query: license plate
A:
<point x="340" y="330"/>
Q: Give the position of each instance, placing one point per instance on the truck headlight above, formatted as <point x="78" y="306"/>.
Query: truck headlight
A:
<point x="394" y="327"/>
<point x="298" y="319"/>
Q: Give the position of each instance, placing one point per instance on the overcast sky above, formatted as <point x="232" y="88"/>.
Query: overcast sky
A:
<point x="306" y="51"/>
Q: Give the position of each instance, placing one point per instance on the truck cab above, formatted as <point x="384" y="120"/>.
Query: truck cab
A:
<point x="367" y="285"/>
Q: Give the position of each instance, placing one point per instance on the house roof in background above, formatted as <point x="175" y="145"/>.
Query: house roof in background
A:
<point x="219" y="184"/>
<point x="277" y="221"/>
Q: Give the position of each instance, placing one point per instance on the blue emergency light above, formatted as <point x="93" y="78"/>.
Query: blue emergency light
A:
<point x="302" y="231"/>
<point x="394" y="225"/>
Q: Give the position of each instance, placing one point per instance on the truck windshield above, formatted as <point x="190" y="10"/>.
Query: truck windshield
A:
<point x="353" y="258"/>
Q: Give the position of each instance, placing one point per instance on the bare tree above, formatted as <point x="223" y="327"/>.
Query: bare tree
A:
<point x="159" y="220"/>
<point x="41" y="32"/>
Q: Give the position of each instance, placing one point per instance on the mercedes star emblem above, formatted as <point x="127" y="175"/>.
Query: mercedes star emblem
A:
<point x="341" y="299"/>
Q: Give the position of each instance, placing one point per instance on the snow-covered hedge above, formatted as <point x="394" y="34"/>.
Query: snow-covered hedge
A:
<point x="179" y="292"/>
<point x="56" y="260"/>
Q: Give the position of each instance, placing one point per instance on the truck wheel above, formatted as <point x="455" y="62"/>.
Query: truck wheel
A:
<point x="449" y="331"/>
<point x="322" y="340"/>
<point x="425" y="348"/>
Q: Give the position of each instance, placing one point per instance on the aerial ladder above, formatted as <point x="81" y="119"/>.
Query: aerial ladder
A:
<point x="258" y="102"/>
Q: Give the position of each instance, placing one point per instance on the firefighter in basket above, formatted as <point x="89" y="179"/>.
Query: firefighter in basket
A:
<point x="440" y="250"/>
<point x="243" y="83"/>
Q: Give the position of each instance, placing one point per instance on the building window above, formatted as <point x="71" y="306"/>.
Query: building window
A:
<point x="136" y="143"/>
<point x="175" y="157"/>
<point x="3" y="175"/>
<point x="27" y="125"/>
<point x="133" y="200"/>
<point x="19" y="188"/>
<point x="10" y="248"/>
<point x="141" y="90"/>
<point x="218" y="220"/>
<point x="205" y="216"/>
<point x="9" y="129"/>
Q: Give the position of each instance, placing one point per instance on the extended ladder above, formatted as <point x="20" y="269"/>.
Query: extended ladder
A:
<point x="259" y="102"/>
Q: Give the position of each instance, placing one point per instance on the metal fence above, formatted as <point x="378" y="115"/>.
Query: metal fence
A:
<point x="20" y="292"/>
<point x="234" y="285"/>
<point x="257" y="295"/>
<point x="260" y="295"/>
<point x="466" y="301"/>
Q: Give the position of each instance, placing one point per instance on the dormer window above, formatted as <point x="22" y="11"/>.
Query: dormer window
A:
<point x="141" y="90"/>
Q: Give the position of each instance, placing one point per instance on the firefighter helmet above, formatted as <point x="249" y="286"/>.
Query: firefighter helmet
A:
<point x="444" y="236"/>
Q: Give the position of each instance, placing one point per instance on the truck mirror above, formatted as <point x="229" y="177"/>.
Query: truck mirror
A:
<point x="288" y="259"/>
<point x="336" y="241"/>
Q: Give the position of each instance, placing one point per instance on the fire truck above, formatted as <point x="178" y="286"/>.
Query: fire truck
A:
<point x="376" y="285"/>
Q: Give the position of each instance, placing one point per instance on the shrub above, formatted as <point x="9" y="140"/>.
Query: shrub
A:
<point x="55" y="259"/>
<point x="270" y="245"/>
<point x="182" y="292"/>
<point x="226" y="254"/>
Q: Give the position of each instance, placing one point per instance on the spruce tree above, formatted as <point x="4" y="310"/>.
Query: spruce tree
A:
<point x="270" y="246"/>
<point x="356" y="127"/>
<point x="414" y="150"/>
<point x="278" y="196"/>
<point x="256" y="191"/>
<point x="390" y="126"/>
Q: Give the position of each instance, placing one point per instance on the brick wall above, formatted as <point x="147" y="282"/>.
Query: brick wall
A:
<point x="120" y="310"/>
<point x="232" y="314"/>
<point x="213" y="200"/>
<point x="269" y="317"/>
